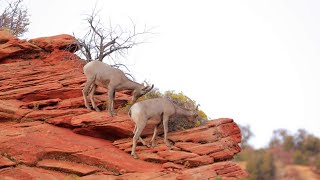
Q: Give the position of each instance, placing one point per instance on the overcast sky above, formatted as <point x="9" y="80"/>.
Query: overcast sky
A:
<point x="254" y="61"/>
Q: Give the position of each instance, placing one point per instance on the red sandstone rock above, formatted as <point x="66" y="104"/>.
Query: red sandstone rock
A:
<point x="222" y="169"/>
<point x="11" y="46"/>
<point x="65" y="166"/>
<point x="30" y="142"/>
<point x="176" y="155"/>
<point x="199" y="161"/>
<point x="152" y="157"/>
<point x="41" y="83"/>
<point x="201" y="149"/>
<point x="10" y="111"/>
<point x="28" y="173"/>
<point x="5" y="162"/>
<point x="172" y="166"/>
<point x="62" y="41"/>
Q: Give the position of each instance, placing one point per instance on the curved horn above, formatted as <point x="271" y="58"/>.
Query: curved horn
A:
<point x="197" y="108"/>
<point x="145" y="87"/>
<point x="149" y="89"/>
<point x="145" y="82"/>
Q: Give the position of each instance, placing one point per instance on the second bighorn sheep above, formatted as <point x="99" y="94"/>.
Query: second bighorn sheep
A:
<point x="101" y="74"/>
<point x="160" y="110"/>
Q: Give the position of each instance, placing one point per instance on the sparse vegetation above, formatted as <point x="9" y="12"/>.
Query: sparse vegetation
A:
<point x="299" y="158"/>
<point x="260" y="165"/>
<point x="300" y="148"/>
<point x="303" y="146"/>
<point x="317" y="163"/>
<point x="14" y="18"/>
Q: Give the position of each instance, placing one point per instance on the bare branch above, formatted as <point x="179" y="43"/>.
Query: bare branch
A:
<point x="14" y="18"/>
<point x="109" y="42"/>
<point x="128" y="74"/>
<point x="120" y="65"/>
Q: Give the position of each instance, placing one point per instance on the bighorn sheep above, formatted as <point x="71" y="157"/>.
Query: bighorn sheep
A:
<point x="101" y="74"/>
<point x="158" y="109"/>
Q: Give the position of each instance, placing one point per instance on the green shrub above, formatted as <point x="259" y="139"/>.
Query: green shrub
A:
<point x="183" y="101"/>
<point x="242" y="156"/>
<point x="300" y="158"/>
<point x="311" y="145"/>
<point x="260" y="165"/>
<point x="203" y="115"/>
<point x="288" y="143"/>
<point x="317" y="163"/>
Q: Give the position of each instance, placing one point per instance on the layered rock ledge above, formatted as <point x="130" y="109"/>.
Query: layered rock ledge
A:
<point x="46" y="132"/>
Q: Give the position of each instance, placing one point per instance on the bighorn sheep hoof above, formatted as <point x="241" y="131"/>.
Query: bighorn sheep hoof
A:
<point x="168" y="144"/>
<point x="97" y="109"/>
<point x="135" y="156"/>
<point x="148" y="145"/>
<point x="154" y="144"/>
<point x="89" y="108"/>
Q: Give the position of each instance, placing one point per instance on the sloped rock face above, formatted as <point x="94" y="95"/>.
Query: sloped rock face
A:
<point x="47" y="133"/>
<point x="11" y="46"/>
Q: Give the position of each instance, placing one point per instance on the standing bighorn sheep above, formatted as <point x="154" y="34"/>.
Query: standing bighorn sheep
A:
<point x="101" y="74"/>
<point x="158" y="109"/>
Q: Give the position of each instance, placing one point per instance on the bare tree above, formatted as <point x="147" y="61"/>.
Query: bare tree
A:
<point x="246" y="134"/>
<point x="14" y="18"/>
<point x="100" y="42"/>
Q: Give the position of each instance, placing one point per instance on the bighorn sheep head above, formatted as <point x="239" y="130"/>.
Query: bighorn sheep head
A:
<point x="140" y="92"/>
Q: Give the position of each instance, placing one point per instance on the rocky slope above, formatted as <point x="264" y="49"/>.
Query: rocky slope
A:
<point x="46" y="133"/>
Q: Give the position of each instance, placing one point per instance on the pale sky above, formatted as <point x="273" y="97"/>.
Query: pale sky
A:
<point x="254" y="61"/>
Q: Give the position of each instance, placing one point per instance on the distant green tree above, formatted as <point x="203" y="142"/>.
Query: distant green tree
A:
<point x="304" y="146"/>
<point x="311" y="145"/>
<point x="278" y="137"/>
<point x="268" y="167"/>
<point x="260" y="165"/>
<point x="317" y="163"/>
<point x="300" y="136"/>
<point x="14" y="18"/>
<point x="299" y="158"/>
<point x="288" y="143"/>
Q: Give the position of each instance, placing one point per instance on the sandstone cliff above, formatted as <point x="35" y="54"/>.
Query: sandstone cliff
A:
<point x="46" y="133"/>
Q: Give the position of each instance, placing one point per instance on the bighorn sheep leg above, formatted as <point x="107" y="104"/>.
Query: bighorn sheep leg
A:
<point x="153" y="144"/>
<point x="136" y="136"/>
<point x="91" y="94"/>
<point x="141" y="140"/>
<point x="111" y="94"/>
<point x="165" y="127"/>
<point x="85" y="91"/>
